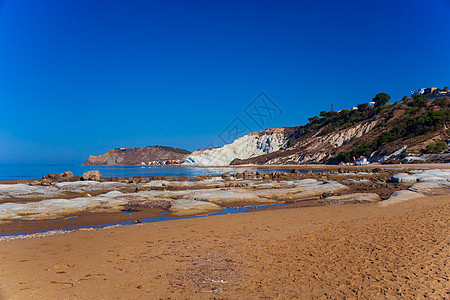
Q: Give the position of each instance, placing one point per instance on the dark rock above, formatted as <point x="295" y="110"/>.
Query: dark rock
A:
<point x="275" y="175"/>
<point x="145" y="180"/>
<point x="46" y="182"/>
<point x="93" y="175"/>
<point x="66" y="176"/>
<point x="248" y="175"/>
<point x="341" y="170"/>
<point x="77" y="178"/>
<point x="226" y="176"/>
<point x="137" y="179"/>
<point x="136" y="205"/>
<point x="295" y="171"/>
<point x="51" y="176"/>
<point x="138" y="189"/>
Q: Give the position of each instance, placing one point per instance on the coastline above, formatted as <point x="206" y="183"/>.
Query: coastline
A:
<point x="356" y="179"/>
<point x="345" y="167"/>
<point x="316" y="167"/>
<point x="331" y="251"/>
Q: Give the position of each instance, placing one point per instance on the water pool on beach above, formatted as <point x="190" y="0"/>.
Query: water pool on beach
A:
<point x="161" y="218"/>
<point x="14" y="172"/>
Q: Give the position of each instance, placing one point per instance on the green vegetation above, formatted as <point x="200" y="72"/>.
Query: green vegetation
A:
<point x="422" y="117"/>
<point x="381" y="99"/>
<point x="365" y="149"/>
<point x="401" y="121"/>
<point x="176" y="150"/>
<point x="436" y="148"/>
<point x="363" y="107"/>
<point x="329" y="121"/>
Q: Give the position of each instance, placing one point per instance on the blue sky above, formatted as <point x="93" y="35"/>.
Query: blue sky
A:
<point x="80" y="77"/>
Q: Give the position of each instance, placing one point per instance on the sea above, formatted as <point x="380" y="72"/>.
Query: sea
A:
<point x="14" y="172"/>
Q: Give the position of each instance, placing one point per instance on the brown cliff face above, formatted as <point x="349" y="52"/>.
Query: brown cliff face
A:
<point x="152" y="155"/>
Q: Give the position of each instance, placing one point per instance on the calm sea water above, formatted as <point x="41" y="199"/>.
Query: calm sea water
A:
<point x="12" y="172"/>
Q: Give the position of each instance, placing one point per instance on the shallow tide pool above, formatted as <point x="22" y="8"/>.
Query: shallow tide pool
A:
<point x="161" y="218"/>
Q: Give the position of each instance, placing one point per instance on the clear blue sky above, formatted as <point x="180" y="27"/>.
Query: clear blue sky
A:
<point x="80" y="77"/>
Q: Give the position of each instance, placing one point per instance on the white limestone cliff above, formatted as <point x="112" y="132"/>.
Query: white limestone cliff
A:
<point x="248" y="146"/>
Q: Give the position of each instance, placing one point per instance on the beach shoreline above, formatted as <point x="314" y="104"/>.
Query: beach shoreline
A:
<point x="349" y="180"/>
<point x="320" y="167"/>
<point x="360" y="250"/>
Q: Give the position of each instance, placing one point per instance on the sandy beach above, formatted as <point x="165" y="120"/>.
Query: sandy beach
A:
<point x="224" y="150"/>
<point x="344" y="251"/>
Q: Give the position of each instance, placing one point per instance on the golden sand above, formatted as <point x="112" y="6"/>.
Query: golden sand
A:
<point x="348" y="251"/>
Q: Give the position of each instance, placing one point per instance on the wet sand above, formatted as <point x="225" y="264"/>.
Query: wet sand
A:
<point x="81" y="220"/>
<point x="348" y="251"/>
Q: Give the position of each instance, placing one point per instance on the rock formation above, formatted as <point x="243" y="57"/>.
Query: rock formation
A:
<point x="92" y="175"/>
<point x="251" y="145"/>
<point x="138" y="156"/>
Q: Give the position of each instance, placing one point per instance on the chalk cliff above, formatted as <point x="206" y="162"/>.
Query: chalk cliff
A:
<point x="248" y="146"/>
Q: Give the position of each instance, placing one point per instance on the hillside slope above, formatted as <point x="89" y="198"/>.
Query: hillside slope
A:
<point x="137" y="156"/>
<point x="411" y="126"/>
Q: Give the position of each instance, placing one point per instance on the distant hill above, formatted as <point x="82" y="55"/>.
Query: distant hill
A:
<point x="152" y="155"/>
<point x="416" y="125"/>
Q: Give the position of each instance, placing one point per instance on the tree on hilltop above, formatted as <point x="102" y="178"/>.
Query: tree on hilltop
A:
<point x="363" y="107"/>
<point x="381" y="99"/>
<point x="313" y="119"/>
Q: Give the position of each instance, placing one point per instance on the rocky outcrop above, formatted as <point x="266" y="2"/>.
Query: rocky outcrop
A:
<point x="25" y="193"/>
<point x="63" y="177"/>
<point x="93" y="175"/>
<point x="439" y="158"/>
<point x="185" y="207"/>
<point x="424" y="176"/>
<point x="248" y="146"/>
<point x="400" y="196"/>
<point x="195" y="198"/>
<point x="353" y="198"/>
<point x="428" y="182"/>
<point x="152" y="155"/>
